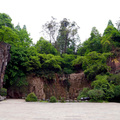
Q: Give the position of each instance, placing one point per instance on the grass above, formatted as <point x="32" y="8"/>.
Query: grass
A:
<point x="44" y="101"/>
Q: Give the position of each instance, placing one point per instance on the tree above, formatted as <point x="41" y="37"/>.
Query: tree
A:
<point x="43" y="46"/>
<point x="5" y="20"/>
<point x="67" y="36"/>
<point x="51" y="27"/>
<point x="118" y="24"/>
<point x="16" y="68"/>
<point x="93" y="64"/>
<point x="9" y="36"/>
<point x="24" y="36"/>
<point x="111" y="37"/>
<point x="110" y="23"/>
<point x="92" y="44"/>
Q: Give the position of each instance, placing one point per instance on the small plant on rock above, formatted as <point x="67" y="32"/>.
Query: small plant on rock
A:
<point x="31" y="97"/>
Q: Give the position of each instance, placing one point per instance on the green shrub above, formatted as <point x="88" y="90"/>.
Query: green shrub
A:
<point x="102" y="84"/>
<point x="63" y="100"/>
<point x="53" y="99"/>
<point x="95" y="94"/>
<point x="3" y="92"/>
<point x="116" y="96"/>
<point x="117" y="91"/>
<point x="31" y="97"/>
<point x="83" y="93"/>
<point x="114" y="79"/>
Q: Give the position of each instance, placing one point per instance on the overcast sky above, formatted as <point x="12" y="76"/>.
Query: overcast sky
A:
<point x="86" y="13"/>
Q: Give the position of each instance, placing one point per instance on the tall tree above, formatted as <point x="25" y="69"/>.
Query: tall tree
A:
<point x="92" y="44"/>
<point x="67" y="35"/>
<point x="51" y="28"/>
<point x="24" y="36"/>
<point x="110" y="23"/>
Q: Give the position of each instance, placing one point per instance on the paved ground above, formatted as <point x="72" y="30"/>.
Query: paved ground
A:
<point x="21" y="110"/>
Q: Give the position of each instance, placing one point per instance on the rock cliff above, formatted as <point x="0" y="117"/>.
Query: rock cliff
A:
<point x="114" y="61"/>
<point x="62" y="86"/>
<point x="4" y="58"/>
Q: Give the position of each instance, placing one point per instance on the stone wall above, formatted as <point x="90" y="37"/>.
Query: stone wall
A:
<point x="4" y="58"/>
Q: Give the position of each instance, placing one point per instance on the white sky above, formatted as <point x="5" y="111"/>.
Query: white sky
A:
<point x="86" y="13"/>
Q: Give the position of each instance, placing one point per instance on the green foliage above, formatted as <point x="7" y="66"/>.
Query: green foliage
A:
<point x="52" y="63"/>
<point x="5" y="20"/>
<point x="67" y="36"/>
<point x="114" y="79"/>
<point x="96" y="94"/>
<point x="31" y="97"/>
<point x="93" y="64"/>
<point x="92" y="44"/>
<point x="43" y="58"/>
<point x="110" y="23"/>
<point x="15" y="72"/>
<point x="44" y="47"/>
<point x="117" y="91"/>
<point x="116" y="97"/>
<point x="94" y="70"/>
<point x="102" y="84"/>
<point x="9" y="36"/>
<point x="3" y="92"/>
<point x="83" y="93"/>
<point x="24" y="36"/>
<point x="112" y="36"/>
<point x="53" y="99"/>
<point x="106" y="44"/>
<point x="66" y="63"/>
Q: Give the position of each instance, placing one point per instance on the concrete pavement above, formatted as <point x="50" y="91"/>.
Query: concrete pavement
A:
<point x="17" y="109"/>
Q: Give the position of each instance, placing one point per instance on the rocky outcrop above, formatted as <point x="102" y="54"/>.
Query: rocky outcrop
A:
<point x="36" y="85"/>
<point x="4" y="58"/>
<point x="62" y="86"/>
<point x="77" y="82"/>
<point x="2" y="98"/>
<point x="114" y="61"/>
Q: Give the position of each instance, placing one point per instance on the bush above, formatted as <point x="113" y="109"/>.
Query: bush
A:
<point x="114" y="79"/>
<point x="116" y="97"/>
<point x="102" y="84"/>
<point x="63" y="100"/>
<point x="53" y="99"/>
<point x="83" y="93"/>
<point x="31" y="97"/>
<point x="117" y="91"/>
<point x="3" y="92"/>
<point x="96" y="95"/>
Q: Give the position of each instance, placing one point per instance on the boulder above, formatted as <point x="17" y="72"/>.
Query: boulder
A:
<point x="2" y="98"/>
